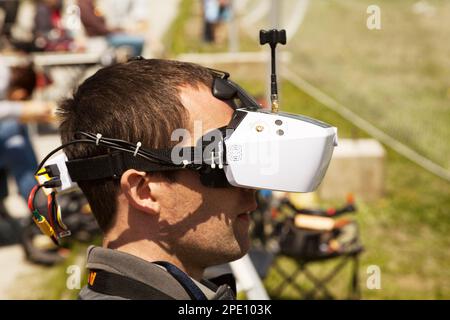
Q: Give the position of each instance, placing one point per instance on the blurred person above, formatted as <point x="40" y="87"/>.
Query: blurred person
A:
<point x="48" y="16"/>
<point x="19" y="22"/>
<point x="17" y="156"/>
<point x="160" y="229"/>
<point x="49" y="32"/>
<point x="132" y="18"/>
<point x="128" y="15"/>
<point x="95" y="25"/>
<point x="36" y="26"/>
<point x="215" y="12"/>
<point x="10" y="9"/>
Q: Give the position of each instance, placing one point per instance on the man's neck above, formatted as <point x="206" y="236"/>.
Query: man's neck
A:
<point x="151" y="251"/>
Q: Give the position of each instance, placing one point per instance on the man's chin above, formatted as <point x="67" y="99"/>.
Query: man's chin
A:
<point x="229" y="255"/>
<point x="241" y="254"/>
<point x="240" y="251"/>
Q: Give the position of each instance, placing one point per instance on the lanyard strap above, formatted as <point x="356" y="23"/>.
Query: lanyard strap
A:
<point x="188" y="284"/>
<point x="118" y="285"/>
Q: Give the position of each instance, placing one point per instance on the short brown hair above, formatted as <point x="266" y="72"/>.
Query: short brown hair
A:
<point x="134" y="101"/>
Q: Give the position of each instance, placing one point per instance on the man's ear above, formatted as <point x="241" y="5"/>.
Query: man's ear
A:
<point x="135" y="185"/>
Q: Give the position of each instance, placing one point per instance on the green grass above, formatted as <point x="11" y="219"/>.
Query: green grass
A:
<point x="185" y="33"/>
<point x="405" y="233"/>
<point x="50" y="283"/>
<point x="396" y="77"/>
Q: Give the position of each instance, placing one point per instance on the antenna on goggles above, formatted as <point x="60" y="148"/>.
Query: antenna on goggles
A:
<point x="273" y="37"/>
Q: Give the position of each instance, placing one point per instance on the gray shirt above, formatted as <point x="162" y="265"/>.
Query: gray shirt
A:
<point x="146" y="272"/>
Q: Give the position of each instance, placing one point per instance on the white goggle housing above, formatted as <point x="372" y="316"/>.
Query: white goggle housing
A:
<point x="278" y="151"/>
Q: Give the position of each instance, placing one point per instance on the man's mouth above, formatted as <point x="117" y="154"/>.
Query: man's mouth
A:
<point x="244" y="216"/>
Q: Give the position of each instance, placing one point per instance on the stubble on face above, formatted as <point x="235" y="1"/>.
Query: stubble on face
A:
<point x="199" y="222"/>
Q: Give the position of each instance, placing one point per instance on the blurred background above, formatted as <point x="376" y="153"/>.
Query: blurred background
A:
<point x="377" y="227"/>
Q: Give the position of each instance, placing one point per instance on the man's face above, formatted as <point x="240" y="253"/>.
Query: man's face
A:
<point x="205" y="225"/>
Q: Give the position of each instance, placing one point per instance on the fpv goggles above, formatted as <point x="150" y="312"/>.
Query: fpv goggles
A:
<point x="257" y="149"/>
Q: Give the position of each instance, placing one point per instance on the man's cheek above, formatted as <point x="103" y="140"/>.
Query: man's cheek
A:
<point x="180" y="203"/>
<point x="220" y="202"/>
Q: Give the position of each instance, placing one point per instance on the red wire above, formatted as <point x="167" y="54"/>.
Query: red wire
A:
<point x="50" y="204"/>
<point x="31" y="197"/>
<point x="55" y="211"/>
<point x="50" y="210"/>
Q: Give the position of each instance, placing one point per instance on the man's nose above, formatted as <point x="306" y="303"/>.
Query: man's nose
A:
<point x="248" y="190"/>
<point x="248" y="194"/>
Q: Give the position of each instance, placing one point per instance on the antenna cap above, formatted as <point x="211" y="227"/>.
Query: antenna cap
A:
<point x="272" y="37"/>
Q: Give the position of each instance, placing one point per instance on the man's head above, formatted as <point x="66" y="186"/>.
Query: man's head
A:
<point x="146" y="100"/>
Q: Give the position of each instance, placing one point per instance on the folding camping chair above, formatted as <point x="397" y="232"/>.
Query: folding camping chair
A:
<point x="314" y="236"/>
<point x="320" y="283"/>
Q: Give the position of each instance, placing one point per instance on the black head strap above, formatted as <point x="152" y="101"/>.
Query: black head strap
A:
<point x="112" y="165"/>
<point x="225" y="89"/>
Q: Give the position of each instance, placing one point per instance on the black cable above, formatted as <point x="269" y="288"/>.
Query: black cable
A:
<point x="115" y="144"/>
<point x="118" y="144"/>
<point x="53" y="211"/>
<point x="103" y="142"/>
<point x="41" y="164"/>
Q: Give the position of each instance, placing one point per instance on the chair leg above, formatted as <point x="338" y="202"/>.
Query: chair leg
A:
<point x="320" y="284"/>
<point x="355" y="293"/>
<point x="288" y="278"/>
